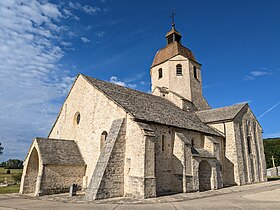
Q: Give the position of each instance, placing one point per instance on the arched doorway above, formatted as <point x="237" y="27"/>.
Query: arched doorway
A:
<point x="31" y="172"/>
<point x="204" y="173"/>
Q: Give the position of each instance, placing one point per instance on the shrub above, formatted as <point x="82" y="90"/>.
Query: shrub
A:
<point x="16" y="177"/>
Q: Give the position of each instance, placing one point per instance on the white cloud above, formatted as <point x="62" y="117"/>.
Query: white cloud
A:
<point x="115" y="80"/>
<point x="31" y="81"/>
<point x="257" y="73"/>
<point x="100" y="34"/>
<point x="85" y="40"/>
<point x="84" y="8"/>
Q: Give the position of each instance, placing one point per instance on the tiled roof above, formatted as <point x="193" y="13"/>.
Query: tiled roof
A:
<point x="171" y="50"/>
<point x="220" y="114"/>
<point x="59" y="152"/>
<point x="149" y="108"/>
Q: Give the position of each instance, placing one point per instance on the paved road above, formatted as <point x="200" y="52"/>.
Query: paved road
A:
<point x="266" y="196"/>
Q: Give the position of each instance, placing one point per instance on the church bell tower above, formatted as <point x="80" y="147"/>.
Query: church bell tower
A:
<point x="176" y="75"/>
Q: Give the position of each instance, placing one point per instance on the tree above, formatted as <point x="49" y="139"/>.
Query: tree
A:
<point x="272" y="148"/>
<point x="12" y="164"/>
<point x="1" y="149"/>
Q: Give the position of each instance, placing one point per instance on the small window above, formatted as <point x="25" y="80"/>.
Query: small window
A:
<point x="162" y="142"/>
<point x="77" y="118"/>
<point x="192" y="143"/>
<point x="160" y="73"/>
<point x="195" y="72"/>
<point x="179" y="70"/>
<point x="103" y="140"/>
<point x="249" y="145"/>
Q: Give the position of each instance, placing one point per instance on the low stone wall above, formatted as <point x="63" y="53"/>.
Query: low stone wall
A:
<point x="273" y="171"/>
<point x="57" y="178"/>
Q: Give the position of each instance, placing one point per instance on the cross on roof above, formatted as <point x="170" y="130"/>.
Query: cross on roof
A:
<point x="173" y="14"/>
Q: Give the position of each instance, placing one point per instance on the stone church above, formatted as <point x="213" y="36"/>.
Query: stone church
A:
<point x="113" y="141"/>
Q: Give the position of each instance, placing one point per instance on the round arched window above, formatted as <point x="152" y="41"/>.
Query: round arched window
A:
<point x="77" y="118"/>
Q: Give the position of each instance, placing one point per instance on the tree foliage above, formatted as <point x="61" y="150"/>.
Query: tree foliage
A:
<point x="272" y="148"/>
<point x="12" y="164"/>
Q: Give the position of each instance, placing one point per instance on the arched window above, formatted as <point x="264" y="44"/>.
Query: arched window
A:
<point x="160" y="73"/>
<point x="77" y="118"/>
<point x="103" y="140"/>
<point x="195" y="72"/>
<point x="249" y="145"/>
<point x="179" y="70"/>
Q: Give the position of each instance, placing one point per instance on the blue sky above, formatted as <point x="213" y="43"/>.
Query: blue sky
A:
<point x="45" y="44"/>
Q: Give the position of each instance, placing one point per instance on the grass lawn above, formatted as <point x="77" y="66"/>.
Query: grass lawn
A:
<point x="9" y="189"/>
<point x="3" y="174"/>
<point x="10" y="179"/>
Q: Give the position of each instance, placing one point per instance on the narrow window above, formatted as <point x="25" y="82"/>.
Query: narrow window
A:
<point x="160" y="73"/>
<point x="103" y="140"/>
<point x="179" y="70"/>
<point x="249" y="145"/>
<point x="162" y="142"/>
<point x="195" y="72"/>
<point x="77" y="118"/>
<point x="192" y="143"/>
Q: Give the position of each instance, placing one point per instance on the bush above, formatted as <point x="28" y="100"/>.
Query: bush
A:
<point x="17" y="177"/>
<point x="8" y="171"/>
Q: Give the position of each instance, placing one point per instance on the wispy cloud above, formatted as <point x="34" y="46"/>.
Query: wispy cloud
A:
<point x="117" y="81"/>
<point x="257" y="73"/>
<point x="99" y="34"/>
<point x="85" y="40"/>
<point x="269" y="110"/>
<point x="85" y="8"/>
<point x="31" y="80"/>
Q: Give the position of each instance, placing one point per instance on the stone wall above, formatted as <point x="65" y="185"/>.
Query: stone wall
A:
<point x="271" y="172"/>
<point x="248" y="131"/>
<point x="107" y="180"/>
<point x="240" y="167"/>
<point x="185" y="86"/>
<point x="58" y="178"/>
<point x="97" y="113"/>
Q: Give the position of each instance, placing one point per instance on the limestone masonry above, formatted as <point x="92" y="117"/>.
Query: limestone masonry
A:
<point x="113" y="141"/>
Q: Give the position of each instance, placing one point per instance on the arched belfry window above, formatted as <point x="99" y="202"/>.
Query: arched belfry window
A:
<point x="160" y="73"/>
<point x="103" y="139"/>
<point x="179" y="71"/>
<point x="195" y="72"/>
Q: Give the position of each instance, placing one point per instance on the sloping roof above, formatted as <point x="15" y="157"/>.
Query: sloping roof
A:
<point x="150" y="108"/>
<point x="171" y="50"/>
<point x="200" y="152"/>
<point x="220" y="114"/>
<point x="59" y="152"/>
<point x="172" y="31"/>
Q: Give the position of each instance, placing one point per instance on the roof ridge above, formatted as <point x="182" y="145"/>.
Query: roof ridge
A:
<point x="219" y="108"/>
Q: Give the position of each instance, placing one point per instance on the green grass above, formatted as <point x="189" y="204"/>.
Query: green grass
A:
<point x="9" y="189"/>
<point x="273" y="178"/>
<point x="10" y="179"/>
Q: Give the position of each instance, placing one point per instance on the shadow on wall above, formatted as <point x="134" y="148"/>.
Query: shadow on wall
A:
<point x="228" y="173"/>
<point x="169" y="177"/>
<point x="204" y="173"/>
